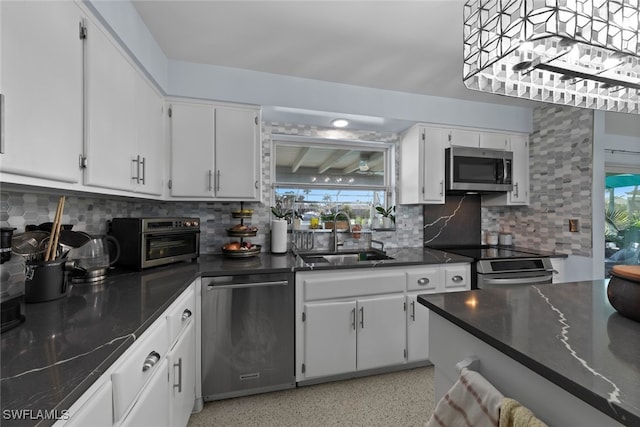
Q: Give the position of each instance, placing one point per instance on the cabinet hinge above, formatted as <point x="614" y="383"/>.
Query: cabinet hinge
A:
<point x="82" y="161"/>
<point x="169" y="112"/>
<point x="405" y="353"/>
<point x="170" y="184"/>
<point x="82" y="32"/>
<point x="304" y="316"/>
<point x="304" y="368"/>
<point x="449" y="136"/>
<point x="405" y="306"/>
<point x="256" y="119"/>
<point x="424" y="136"/>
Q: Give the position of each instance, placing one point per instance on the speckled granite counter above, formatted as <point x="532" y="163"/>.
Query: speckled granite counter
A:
<point x="49" y="361"/>
<point x="567" y="333"/>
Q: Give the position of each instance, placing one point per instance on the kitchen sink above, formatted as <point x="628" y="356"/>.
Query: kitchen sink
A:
<point x="343" y="258"/>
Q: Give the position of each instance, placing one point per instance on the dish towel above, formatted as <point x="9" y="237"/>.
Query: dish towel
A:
<point x="471" y="402"/>
<point x="513" y="414"/>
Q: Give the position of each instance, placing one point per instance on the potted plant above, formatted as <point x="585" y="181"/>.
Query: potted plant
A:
<point x="279" y="229"/>
<point x="388" y="215"/>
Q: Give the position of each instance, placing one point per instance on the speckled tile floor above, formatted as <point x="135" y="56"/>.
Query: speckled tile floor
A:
<point x="404" y="398"/>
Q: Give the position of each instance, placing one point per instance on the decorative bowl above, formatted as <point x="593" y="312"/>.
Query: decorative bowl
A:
<point x="623" y="290"/>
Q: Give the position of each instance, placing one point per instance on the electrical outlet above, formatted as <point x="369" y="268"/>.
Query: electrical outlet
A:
<point x="574" y="225"/>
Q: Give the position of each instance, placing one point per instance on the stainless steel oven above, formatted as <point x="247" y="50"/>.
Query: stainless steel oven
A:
<point x="506" y="272"/>
<point x="150" y="242"/>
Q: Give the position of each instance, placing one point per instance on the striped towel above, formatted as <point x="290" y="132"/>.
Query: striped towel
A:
<point x="471" y="402"/>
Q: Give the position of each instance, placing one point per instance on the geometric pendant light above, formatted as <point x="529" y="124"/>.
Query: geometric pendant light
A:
<point x="583" y="53"/>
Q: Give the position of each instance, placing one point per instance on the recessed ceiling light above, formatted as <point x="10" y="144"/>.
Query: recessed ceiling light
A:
<point x="340" y="123"/>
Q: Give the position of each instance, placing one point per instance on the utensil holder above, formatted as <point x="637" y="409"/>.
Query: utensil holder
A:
<point x="45" y="281"/>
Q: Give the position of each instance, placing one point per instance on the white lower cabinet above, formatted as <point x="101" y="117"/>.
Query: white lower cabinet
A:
<point x="96" y="412"/>
<point x="152" y="406"/>
<point x="366" y="318"/>
<point x="182" y="377"/>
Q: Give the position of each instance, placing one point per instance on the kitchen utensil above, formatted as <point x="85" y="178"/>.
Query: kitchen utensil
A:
<point x="623" y="290"/>
<point x="92" y="259"/>
<point x="52" y="248"/>
<point x="30" y="244"/>
<point x="45" y="281"/>
<point x="6" y="234"/>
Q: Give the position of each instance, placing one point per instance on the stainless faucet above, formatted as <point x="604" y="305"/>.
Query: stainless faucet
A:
<point x="335" y="229"/>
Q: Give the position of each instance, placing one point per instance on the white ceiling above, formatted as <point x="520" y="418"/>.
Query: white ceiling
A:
<point x="407" y="46"/>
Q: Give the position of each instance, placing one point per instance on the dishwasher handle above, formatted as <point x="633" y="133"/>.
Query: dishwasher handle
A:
<point x="211" y="286"/>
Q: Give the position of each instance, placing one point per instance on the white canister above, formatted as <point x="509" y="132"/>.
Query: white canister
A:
<point x="492" y="238"/>
<point x="506" y="239"/>
<point x="278" y="236"/>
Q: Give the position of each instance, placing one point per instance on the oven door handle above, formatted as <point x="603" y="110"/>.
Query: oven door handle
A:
<point x="520" y="281"/>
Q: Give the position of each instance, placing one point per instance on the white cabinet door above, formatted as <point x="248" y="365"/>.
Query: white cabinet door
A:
<point x="182" y="377"/>
<point x="381" y="327"/>
<point x="148" y="178"/>
<point x="151" y="408"/>
<point x="192" y="141"/>
<point x="417" y="330"/>
<point x="110" y="120"/>
<point x="237" y="154"/>
<point x="329" y="338"/>
<point x="495" y="141"/>
<point x="96" y="412"/>
<point x="464" y="138"/>
<point x="41" y="82"/>
<point x="520" y="193"/>
<point x="435" y="141"/>
<point x="558" y="270"/>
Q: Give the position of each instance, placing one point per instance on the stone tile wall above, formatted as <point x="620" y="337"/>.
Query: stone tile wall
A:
<point x="561" y="171"/>
<point x="90" y="212"/>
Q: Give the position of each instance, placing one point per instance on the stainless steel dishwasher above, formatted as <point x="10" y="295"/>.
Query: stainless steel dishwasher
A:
<point x="247" y="334"/>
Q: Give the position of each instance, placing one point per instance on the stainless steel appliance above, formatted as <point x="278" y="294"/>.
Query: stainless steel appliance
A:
<point x="247" y="334"/>
<point x="497" y="266"/>
<point x="481" y="170"/>
<point x="149" y="242"/>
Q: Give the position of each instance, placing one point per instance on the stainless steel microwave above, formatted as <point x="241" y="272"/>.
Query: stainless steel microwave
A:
<point x="481" y="170"/>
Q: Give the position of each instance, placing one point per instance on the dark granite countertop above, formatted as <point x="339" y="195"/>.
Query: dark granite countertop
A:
<point x="401" y="256"/>
<point x="569" y="333"/>
<point x="65" y="345"/>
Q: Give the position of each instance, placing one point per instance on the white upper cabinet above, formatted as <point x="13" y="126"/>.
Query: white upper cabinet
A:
<point x="123" y="120"/>
<point x="215" y="151"/>
<point x="41" y="83"/>
<point x="519" y="196"/>
<point x="496" y="141"/>
<point x="464" y="138"/>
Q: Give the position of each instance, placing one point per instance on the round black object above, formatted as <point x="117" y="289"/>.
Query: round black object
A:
<point x="6" y="234"/>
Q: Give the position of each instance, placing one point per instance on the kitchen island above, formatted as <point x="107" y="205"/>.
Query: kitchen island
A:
<point x="561" y="350"/>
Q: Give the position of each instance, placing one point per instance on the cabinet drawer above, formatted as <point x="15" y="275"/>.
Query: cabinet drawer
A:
<point x="180" y="314"/>
<point x="139" y="364"/>
<point x="426" y="279"/>
<point x="457" y="278"/>
<point x="341" y="284"/>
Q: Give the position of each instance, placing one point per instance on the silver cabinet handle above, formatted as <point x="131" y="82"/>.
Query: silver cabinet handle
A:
<point x="210" y="176"/>
<point x="457" y="279"/>
<point x="555" y="271"/>
<point x="179" y="366"/>
<point x="353" y="318"/>
<point x="218" y="180"/>
<point x="362" y="317"/>
<point x="142" y="163"/>
<point x="137" y="162"/>
<point x="423" y="281"/>
<point x="516" y="189"/>
<point x="186" y="314"/>
<point x="150" y="361"/>
<point x="441" y="188"/>
<point x="413" y="311"/>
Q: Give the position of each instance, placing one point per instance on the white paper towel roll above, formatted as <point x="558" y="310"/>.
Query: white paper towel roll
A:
<point x="278" y="236"/>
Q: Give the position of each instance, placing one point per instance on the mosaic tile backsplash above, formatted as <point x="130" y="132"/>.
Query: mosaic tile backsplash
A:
<point x="561" y="175"/>
<point x="90" y="212"/>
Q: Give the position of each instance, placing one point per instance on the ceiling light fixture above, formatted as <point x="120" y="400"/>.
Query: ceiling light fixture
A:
<point x="583" y="53"/>
<point x="340" y="123"/>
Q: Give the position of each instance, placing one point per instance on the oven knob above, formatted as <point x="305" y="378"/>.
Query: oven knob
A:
<point x="187" y="223"/>
<point x="196" y="223"/>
